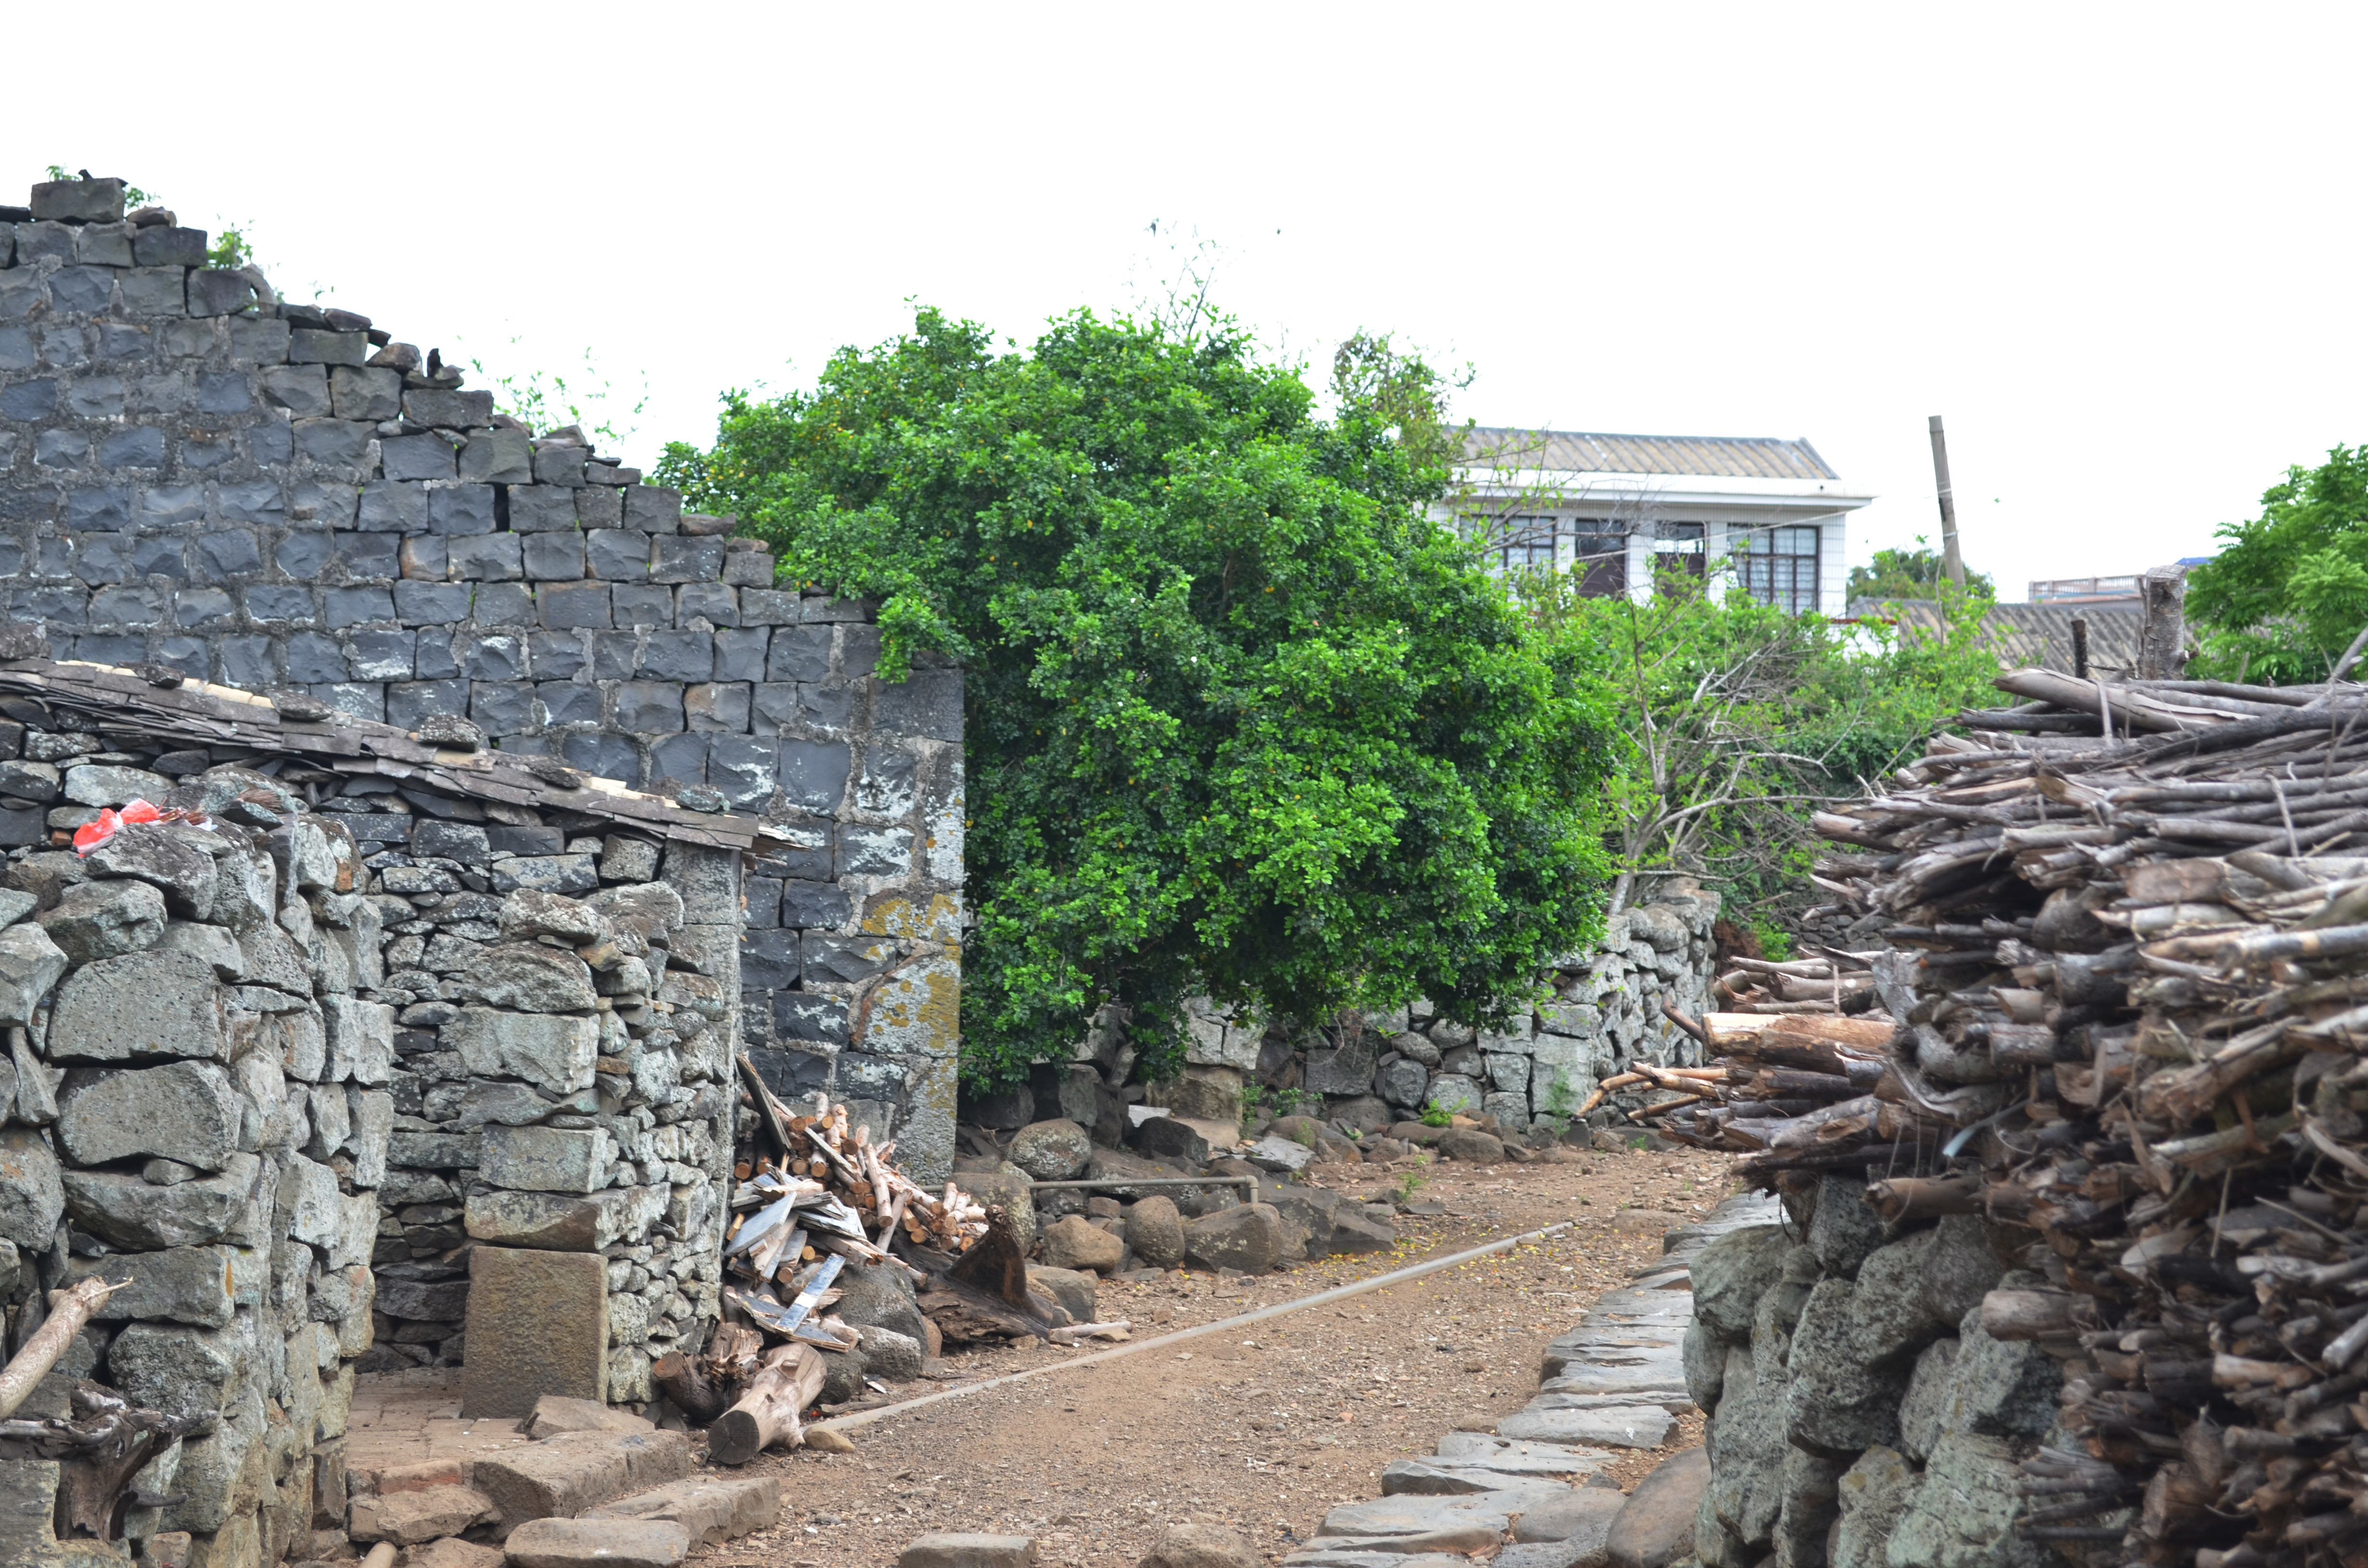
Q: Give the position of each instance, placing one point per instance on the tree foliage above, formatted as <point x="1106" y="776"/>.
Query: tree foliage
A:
<point x="1917" y="573"/>
<point x="2289" y="590"/>
<point x="1734" y="721"/>
<point x="1241" y="718"/>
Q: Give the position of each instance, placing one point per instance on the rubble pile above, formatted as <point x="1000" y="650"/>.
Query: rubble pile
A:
<point x="2129" y="985"/>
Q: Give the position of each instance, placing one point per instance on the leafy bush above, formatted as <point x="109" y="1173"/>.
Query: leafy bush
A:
<point x="1433" y="1114"/>
<point x="1737" y="720"/>
<point x="2289" y="590"/>
<point x="1242" y="718"/>
<point x="1918" y="574"/>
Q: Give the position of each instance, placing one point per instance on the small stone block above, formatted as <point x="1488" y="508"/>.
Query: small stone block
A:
<point x="710" y="1507"/>
<point x="951" y="1550"/>
<point x="423" y="1515"/>
<point x="538" y="1323"/>
<point x="554" y="1414"/>
<point x="607" y="1543"/>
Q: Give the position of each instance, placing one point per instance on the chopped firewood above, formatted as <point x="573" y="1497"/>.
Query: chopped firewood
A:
<point x="790" y="1379"/>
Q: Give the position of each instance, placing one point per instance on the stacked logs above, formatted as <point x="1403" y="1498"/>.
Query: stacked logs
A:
<point x="839" y="1160"/>
<point x="1838" y="983"/>
<point x="1793" y="1093"/>
<point x="2131" y="982"/>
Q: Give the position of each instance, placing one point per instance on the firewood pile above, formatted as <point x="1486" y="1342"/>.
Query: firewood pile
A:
<point x="1838" y="983"/>
<point x="2130" y="975"/>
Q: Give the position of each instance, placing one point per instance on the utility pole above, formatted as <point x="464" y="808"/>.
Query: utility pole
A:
<point x="1953" y="564"/>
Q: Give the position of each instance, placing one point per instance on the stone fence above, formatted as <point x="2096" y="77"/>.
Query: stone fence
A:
<point x="284" y="498"/>
<point x="1605" y="1013"/>
<point x="1860" y="1417"/>
<point x="366" y="1071"/>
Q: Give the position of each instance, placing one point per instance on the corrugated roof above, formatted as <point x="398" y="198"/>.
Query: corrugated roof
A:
<point x="2028" y="636"/>
<point x="1579" y="451"/>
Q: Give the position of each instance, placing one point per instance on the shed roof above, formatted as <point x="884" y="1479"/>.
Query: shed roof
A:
<point x="2039" y="636"/>
<point x="199" y="713"/>
<point x="1579" y="452"/>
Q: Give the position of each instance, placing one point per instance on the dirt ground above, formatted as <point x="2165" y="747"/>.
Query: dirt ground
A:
<point x="1265" y="1432"/>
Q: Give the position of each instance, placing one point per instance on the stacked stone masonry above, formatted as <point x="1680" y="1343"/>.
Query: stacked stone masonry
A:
<point x="1606" y="1014"/>
<point x="293" y="1073"/>
<point x="276" y="496"/>
<point x="1860" y="1417"/>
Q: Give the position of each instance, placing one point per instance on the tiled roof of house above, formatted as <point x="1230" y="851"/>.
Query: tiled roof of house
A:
<point x="1578" y="451"/>
<point x="2035" y="636"/>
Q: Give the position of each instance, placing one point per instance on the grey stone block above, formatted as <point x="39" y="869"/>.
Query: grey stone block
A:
<point x="618" y="555"/>
<point x="356" y="393"/>
<point x="636" y="605"/>
<point x="714" y="603"/>
<point x="686" y="560"/>
<point x="310" y="346"/>
<point x="427" y="456"/>
<point x="740" y="656"/>
<point x="188" y="1111"/>
<point x="431" y="604"/>
<point x="568" y="703"/>
<point x="547" y="1159"/>
<point x="355" y="606"/>
<point x="155" y="292"/>
<point x="459" y="509"/>
<point x="81" y="290"/>
<point x="569" y="606"/>
<point x="680" y="758"/>
<point x="600" y="506"/>
<point x="341" y="443"/>
<point x="485" y="558"/>
<point x="718" y="706"/>
<point x="813" y="773"/>
<point x="452" y="410"/>
<point x="652" y="510"/>
<point x="647" y="707"/>
<point x="541" y="508"/>
<point x="552" y="1052"/>
<point x="497" y="457"/>
<point x="409" y="703"/>
<point x="554" y="557"/>
<point x="683" y="656"/>
<point x="169" y="247"/>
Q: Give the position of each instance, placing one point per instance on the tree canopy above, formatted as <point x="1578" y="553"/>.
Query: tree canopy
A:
<point x="1242" y="718"/>
<point x="2289" y="590"/>
<point x="1915" y="573"/>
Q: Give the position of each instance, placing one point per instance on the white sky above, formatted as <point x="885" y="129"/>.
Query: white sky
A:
<point x="2116" y="246"/>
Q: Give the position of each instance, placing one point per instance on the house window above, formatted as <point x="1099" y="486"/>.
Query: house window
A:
<point x="1681" y="547"/>
<point x="1527" y="541"/>
<point x="1600" y="561"/>
<point x="1779" y="567"/>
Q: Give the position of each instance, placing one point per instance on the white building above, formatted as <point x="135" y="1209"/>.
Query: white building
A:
<point x="1767" y="514"/>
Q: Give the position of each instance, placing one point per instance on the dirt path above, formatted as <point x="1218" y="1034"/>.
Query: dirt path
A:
<point x="1265" y="1432"/>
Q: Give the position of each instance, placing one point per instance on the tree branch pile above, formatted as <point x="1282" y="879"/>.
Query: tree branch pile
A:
<point x="2131" y="988"/>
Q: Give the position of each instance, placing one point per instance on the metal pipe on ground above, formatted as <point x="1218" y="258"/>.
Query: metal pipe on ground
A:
<point x="1223" y="1325"/>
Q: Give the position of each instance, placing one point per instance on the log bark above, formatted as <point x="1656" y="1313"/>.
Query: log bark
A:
<point x="683" y="1382"/>
<point x="2034" y="1314"/>
<point x="986" y="1294"/>
<point x="1924" y="1198"/>
<point x="790" y="1379"/>
<point x="69" y="1310"/>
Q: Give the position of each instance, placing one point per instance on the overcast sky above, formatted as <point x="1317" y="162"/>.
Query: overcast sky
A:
<point x="2116" y="247"/>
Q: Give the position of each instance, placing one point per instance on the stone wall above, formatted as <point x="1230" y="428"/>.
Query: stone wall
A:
<point x="278" y="498"/>
<point x="1606" y="1014"/>
<point x="332" y="1081"/>
<point x="1860" y="1417"/>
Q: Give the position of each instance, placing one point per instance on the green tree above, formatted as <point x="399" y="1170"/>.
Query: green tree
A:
<point x="1911" y="575"/>
<point x="1736" y="721"/>
<point x="2289" y="590"/>
<point x="1242" y="718"/>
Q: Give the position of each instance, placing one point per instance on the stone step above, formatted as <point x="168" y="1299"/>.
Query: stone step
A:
<point x="1329" y="1558"/>
<point x="1473" y="1448"/>
<point x="1460" y="1540"/>
<point x="597" y="1543"/>
<point x="1623" y="1425"/>
<point x="1677" y="1401"/>
<point x="1427" y="1478"/>
<point x="1491" y="1511"/>
<point x="710" y="1507"/>
<point x="1600" y="1377"/>
<point x="560" y="1477"/>
<point x="415" y="1515"/>
<point x="1574" y="1553"/>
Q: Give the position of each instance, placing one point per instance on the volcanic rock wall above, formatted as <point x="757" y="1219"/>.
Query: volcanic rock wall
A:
<point x="280" y="498"/>
<point x="1860" y="1417"/>
<point x="1606" y="1014"/>
<point x="343" y="1088"/>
